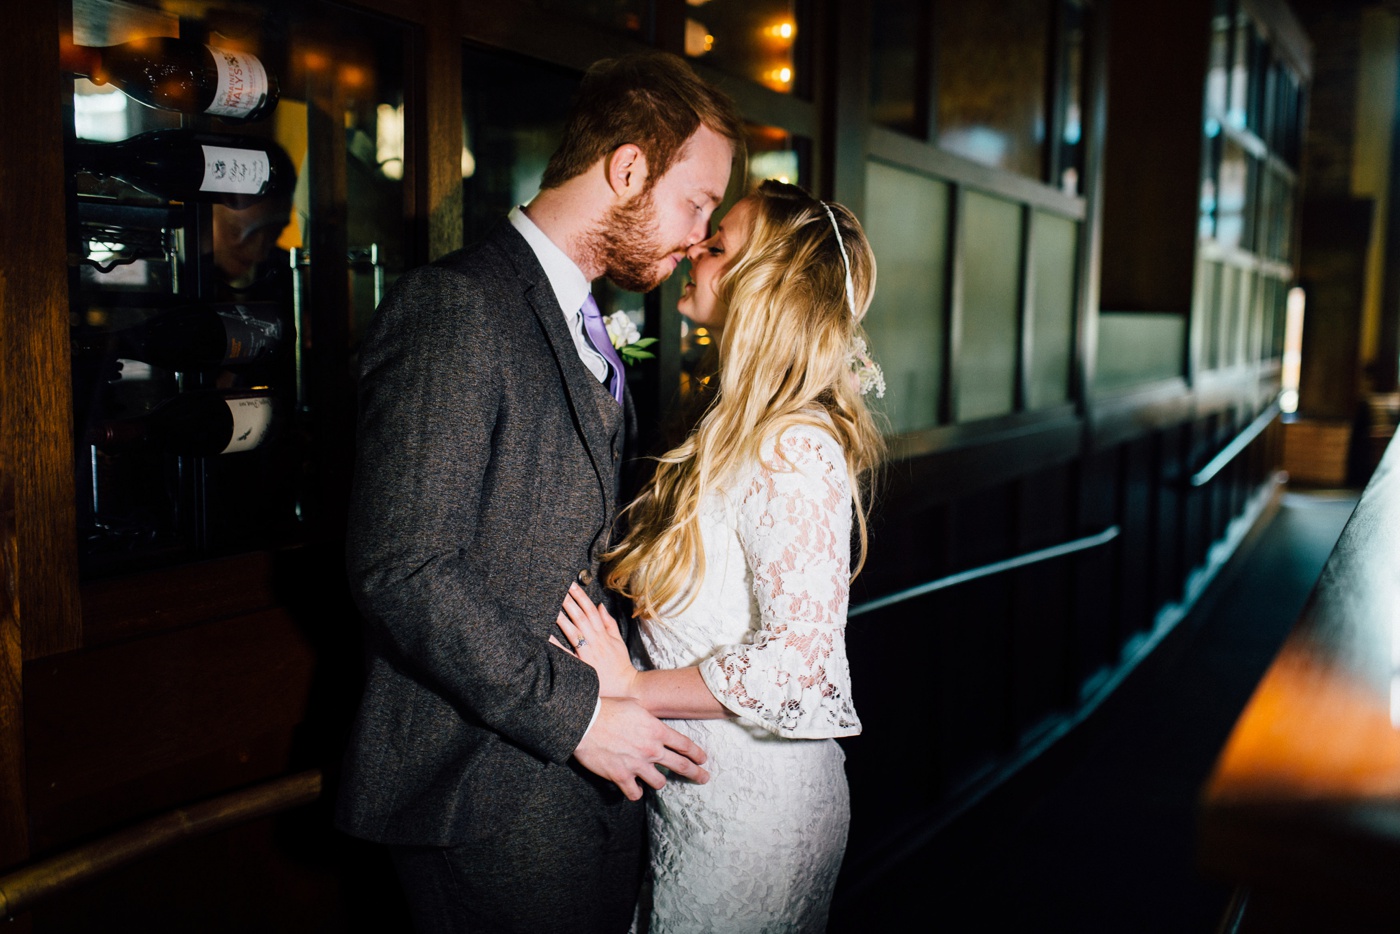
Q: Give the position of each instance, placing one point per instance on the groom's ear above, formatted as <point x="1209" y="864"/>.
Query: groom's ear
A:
<point x="627" y="171"/>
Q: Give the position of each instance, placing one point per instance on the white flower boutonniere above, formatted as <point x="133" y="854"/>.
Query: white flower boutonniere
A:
<point x="629" y="343"/>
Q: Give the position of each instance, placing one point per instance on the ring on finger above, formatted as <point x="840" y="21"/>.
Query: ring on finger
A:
<point x="580" y="643"/>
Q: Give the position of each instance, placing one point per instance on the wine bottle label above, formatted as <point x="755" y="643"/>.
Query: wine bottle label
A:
<point x="251" y="419"/>
<point x="242" y="84"/>
<point x="248" y="336"/>
<point x="240" y="171"/>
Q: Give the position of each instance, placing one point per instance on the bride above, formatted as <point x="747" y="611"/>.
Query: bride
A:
<point x="737" y="559"/>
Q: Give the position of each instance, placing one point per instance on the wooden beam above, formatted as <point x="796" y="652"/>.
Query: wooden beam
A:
<point x="36" y="444"/>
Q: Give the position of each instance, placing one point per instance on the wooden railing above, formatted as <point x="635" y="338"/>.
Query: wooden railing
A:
<point x="1236" y="446"/>
<point x="32" y="885"/>
<point x="1303" y="808"/>
<point x="987" y="570"/>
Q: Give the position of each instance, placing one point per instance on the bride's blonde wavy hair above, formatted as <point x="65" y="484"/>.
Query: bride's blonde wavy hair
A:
<point x="785" y="358"/>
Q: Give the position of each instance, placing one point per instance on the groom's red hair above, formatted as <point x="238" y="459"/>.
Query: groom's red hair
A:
<point x="652" y="100"/>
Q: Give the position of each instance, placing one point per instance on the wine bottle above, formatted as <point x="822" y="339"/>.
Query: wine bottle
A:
<point x="182" y="76"/>
<point x="200" y="424"/>
<point x="197" y="338"/>
<point x="182" y="165"/>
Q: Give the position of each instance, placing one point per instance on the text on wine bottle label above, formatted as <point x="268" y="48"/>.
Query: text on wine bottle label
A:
<point x="240" y="171"/>
<point x="251" y="420"/>
<point x="242" y="84"/>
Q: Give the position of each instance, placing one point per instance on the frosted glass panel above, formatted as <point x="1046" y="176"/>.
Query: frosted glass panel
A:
<point x="991" y="283"/>
<point x="1052" y="337"/>
<point x="907" y="223"/>
<point x="1227" y="316"/>
<point x="1138" y="347"/>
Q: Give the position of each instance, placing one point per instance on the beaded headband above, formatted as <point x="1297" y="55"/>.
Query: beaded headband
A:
<point x="867" y="372"/>
<point x="846" y="260"/>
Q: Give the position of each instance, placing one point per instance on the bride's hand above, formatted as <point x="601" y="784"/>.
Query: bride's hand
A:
<point x="594" y="637"/>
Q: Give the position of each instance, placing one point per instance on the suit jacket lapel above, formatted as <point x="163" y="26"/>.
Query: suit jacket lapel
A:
<point x="577" y="379"/>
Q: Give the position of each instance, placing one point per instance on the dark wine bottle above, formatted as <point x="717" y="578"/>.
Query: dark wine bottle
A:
<point x="182" y="76"/>
<point x="182" y="165"/>
<point x="200" y="424"/>
<point x="197" y="338"/>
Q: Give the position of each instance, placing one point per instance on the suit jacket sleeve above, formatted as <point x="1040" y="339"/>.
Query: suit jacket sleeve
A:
<point x="436" y="389"/>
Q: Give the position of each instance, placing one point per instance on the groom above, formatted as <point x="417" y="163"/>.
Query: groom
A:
<point x="491" y="426"/>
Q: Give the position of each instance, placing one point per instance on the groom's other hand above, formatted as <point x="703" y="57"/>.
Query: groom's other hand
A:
<point x="626" y="744"/>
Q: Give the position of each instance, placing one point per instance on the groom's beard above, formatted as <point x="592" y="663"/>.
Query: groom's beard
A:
<point x="629" y="244"/>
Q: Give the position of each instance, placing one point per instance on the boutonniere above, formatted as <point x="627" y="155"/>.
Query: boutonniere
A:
<point x="867" y="372"/>
<point x="629" y="343"/>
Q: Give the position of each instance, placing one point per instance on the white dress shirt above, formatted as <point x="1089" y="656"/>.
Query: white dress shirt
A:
<point x="569" y="285"/>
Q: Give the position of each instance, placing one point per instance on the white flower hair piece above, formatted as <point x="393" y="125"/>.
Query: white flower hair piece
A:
<point x="629" y="343"/>
<point x="867" y="371"/>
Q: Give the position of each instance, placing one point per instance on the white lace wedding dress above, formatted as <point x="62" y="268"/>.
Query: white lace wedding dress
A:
<point x="757" y="848"/>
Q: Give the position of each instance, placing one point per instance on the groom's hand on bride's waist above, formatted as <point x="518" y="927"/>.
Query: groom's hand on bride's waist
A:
<point x="626" y="744"/>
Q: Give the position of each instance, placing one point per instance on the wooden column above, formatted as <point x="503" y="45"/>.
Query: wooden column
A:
<point x="39" y="611"/>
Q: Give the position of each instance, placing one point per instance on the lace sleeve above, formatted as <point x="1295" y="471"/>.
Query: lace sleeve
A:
<point x="794" y="524"/>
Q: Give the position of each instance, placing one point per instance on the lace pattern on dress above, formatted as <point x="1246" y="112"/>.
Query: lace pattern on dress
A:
<point x="794" y="525"/>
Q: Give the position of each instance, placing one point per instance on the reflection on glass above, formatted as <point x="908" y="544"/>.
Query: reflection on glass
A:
<point x="1218" y="70"/>
<point x="1231" y="194"/>
<point x="1071" y="158"/>
<point x="1207" y="301"/>
<point x="751" y="39"/>
<point x="508" y="140"/>
<point x="1052" y="336"/>
<point x="1210" y="187"/>
<point x="991" y="63"/>
<point x="1227" y="321"/>
<point x="1237" y="339"/>
<point x="1241" y="76"/>
<point x="898" y="59"/>
<point x="629" y="17"/>
<point x="906" y="221"/>
<point x="509" y="137"/>
<point x="310" y="260"/>
<point x="774" y="153"/>
<point x="991" y="285"/>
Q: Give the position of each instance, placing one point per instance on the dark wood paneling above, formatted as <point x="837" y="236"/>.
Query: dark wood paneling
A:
<point x="35" y="420"/>
<point x="1040" y="628"/>
<point x="1170" y="566"/>
<point x="971" y="682"/>
<point x="142" y="725"/>
<point x="14" y="832"/>
<point x="1335" y="239"/>
<point x="1040" y="646"/>
<point x="143" y="604"/>
<point x="1096" y="574"/>
<point x="945" y="464"/>
<point x="1119" y="418"/>
<point x="1156" y="75"/>
<point x="1137" y="516"/>
<point x="437" y="179"/>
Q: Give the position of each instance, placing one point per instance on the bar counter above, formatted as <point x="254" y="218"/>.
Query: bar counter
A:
<point x="1302" y="811"/>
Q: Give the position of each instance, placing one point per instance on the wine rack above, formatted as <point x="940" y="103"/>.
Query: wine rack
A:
<point x="153" y="486"/>
<point x="204" y="421"/>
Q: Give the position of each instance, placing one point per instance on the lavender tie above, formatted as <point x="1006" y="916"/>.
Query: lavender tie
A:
<point x="597" y="333"/>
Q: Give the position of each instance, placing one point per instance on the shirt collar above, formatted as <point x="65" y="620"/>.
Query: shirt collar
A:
<point x="569" y="284"/>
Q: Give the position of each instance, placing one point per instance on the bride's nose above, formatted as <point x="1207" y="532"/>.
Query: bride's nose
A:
<point x="695" y="249"/>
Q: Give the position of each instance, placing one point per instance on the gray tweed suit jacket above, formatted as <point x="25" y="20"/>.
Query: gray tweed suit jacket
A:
<point x="485" y="483"/>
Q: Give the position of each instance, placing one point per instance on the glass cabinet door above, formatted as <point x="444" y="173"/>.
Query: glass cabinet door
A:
<point x="236" y="207"/>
